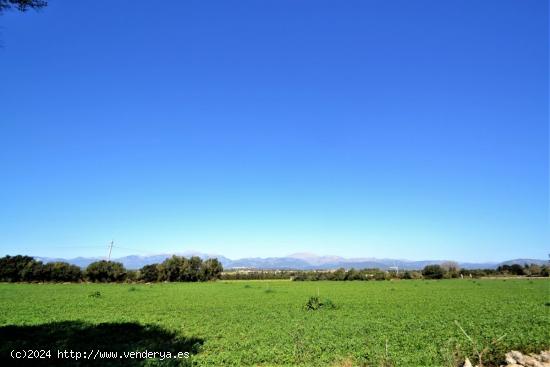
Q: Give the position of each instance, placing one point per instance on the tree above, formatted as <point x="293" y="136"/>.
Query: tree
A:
<point x="27" y="269"/>
<point x="380" y="275"/>
<point x="339" y="274"/>
<point x="32" y="271"/>
<point x="433" y="272"/>
<point x="514" y="269"/>
<point x="171" y="269"/>
<point x="22" y="5"/>
<point x="533" y="270"/>
<point x="353" y="274"/>
<point x="451" y="269"/>
<point x="450" y="266"/>
<point x="191" y="269"/>
<point x="106" y="271"/>
<point x="211" y="269"/>
<point x="131" y="276"/>
<point x="149" y="273"/>
<point x="61" y="272"/>
<point x="17" y="268"/>
<point x="181" y="269"/>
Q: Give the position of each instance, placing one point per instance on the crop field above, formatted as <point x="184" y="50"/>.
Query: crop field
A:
<point x="264" y="323"/>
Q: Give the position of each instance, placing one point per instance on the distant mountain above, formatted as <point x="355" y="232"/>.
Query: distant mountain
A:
<point x="298" y="261"/>
<point x="524" y="261"/>
<point x="282" y="263"/>
<point x="313" y="259"/>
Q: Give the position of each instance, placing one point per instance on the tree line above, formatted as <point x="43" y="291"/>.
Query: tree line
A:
<point x="446" y="270"/>
<point x="23" y="268"/>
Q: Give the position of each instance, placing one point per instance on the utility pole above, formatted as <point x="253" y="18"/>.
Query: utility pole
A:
<point x="110" y="250"/>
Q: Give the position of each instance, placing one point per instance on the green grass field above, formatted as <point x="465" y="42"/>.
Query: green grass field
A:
<point x="387" y="323"/>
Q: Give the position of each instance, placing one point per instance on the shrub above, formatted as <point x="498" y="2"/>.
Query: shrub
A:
<point x="18" y="268"/>
<point x="105" y="271"/>
<point x="178" y="268"/>
<point x="451" y="269"/>
<point x="380" y="275"/>
<point x="149" y="273"/>
<point x="25" y="268"/>
<point x="314" y="303"/>
<point x="353" y="274"/>
<point x="514" y="269"/>
<point x="32" y="271"/>
<point x="339" y="274"/>
<point x="131" y="276"/>
<point x="61" y="272"/>
<point x="433" y="272"/>
<point x="210" y="269"/>
<point x="328" y="304"/>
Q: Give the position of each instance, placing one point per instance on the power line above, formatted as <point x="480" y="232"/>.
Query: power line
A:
<point x="136" y="250"/>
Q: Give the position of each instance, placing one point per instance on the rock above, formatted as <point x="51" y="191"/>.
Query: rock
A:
<point x="509" y="358"/>
<point x="517" y="359"/>
<point x="529" y="361"/>
<point x="517" y="356"/>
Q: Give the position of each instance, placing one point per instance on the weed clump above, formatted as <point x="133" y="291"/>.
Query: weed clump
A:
<point x="484" y="352"/>
<point x="95" y="294"/>
<point x="314" y="303"/>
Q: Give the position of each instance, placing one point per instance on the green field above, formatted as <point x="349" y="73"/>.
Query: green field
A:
<point x="386" y="323"/>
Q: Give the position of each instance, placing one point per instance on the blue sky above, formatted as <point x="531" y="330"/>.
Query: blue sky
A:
<point x="261" y="128"/>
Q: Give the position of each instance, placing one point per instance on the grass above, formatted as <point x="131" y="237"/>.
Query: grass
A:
<point x="397" y="323"/>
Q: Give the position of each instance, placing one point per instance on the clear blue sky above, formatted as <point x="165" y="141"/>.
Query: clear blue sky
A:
<point x="406" y="129"/>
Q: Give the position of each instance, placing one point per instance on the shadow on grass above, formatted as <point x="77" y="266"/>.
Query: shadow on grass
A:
<point x="106" y="337"/>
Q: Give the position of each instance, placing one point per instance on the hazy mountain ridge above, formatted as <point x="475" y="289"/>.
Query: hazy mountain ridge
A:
<point x="299" y="261"/>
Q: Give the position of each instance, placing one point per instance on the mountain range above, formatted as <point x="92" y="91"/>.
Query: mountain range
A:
<point x="297" y="261"/>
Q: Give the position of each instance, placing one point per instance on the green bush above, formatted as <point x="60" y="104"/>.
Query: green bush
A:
<point x="61" y="272"/>
<point x="18" y="268"/>
<point x="314" y="303"/>
<point x="433" y="272"/>
<point x="149" y="273"/>
<point x="210" y="269"/>
<point x="380" y="275"/>
<point x="27" y="269"/>
<point x="106" y="271"/>
<point x="178" y="268"/>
